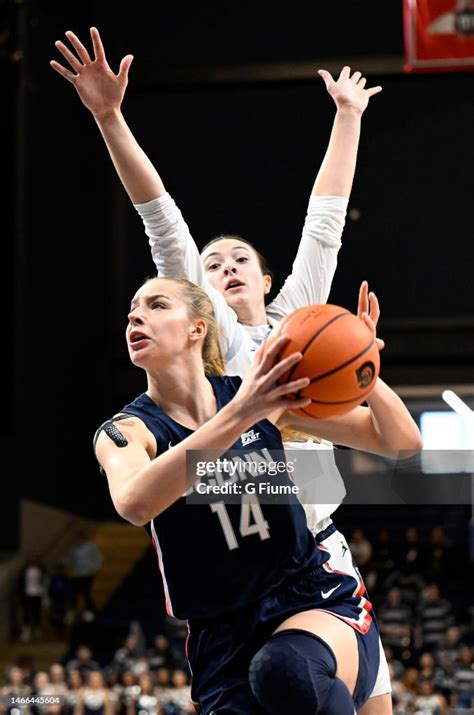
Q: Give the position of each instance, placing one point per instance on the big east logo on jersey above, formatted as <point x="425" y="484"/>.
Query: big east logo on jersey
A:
<point x="249" y="437"/>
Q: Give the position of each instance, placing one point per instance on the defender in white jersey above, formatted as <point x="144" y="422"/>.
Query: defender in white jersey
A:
<point x="229" y="269"/>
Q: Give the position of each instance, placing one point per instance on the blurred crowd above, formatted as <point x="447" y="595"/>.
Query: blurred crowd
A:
<point x="422" y="595"/>
<point x="137" y="680"/>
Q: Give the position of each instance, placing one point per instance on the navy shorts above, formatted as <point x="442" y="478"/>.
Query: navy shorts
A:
<point x="220" y="651"/>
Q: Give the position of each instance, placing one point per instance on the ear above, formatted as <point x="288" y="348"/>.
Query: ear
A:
<point x="267" y="284"/>
<point x="198" y="330"/>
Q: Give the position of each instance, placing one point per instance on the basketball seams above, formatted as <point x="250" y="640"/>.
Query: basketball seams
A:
<point x="339" y="402"/>
<point x="313" y="338"/>
<point x="342" y="366"/>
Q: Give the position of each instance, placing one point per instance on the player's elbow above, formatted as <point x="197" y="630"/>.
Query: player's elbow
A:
<point x="137" y="519"/>
<point x="407" y="444"/>
<point x="414" y="444"/>
<point x="132" y="510"/>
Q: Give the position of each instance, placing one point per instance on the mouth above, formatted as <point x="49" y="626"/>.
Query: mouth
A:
<point x="137" y="340"/>
<point x="233" y="284"/>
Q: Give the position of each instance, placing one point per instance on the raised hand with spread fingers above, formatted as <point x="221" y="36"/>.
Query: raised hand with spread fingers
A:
<point x="100" y="89"/>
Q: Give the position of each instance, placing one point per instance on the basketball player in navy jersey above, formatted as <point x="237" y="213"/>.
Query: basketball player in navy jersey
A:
<point x="270" y="627"/>
<point x="234" y="274"/>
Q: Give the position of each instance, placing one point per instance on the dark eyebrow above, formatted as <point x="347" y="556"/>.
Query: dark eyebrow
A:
<point x="149" y="299"/>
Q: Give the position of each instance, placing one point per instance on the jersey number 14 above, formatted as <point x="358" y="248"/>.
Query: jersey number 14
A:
<point x="252" y="520"/>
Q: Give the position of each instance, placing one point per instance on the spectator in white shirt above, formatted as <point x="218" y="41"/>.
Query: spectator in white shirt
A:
<point x="32" y="589"/>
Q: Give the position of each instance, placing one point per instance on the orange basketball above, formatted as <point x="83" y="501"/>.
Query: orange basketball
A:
<point x="340" y="357"/>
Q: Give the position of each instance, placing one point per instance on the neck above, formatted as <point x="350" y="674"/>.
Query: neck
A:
<point x="253" y="315"/>
<point x="183" y="392"/>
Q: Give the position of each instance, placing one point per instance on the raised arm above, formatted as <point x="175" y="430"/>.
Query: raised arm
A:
<point x="336" y="174"/>
<point x="316" y="260"/>
<point x="172" y="247"/>
<point x="102" y="92"/>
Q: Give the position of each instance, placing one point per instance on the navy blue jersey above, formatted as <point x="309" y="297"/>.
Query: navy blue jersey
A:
<point x="218" y="557"/>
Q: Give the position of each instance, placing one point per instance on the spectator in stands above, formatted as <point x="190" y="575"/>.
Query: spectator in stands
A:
<point x="448" y="648"/>
<point x="429" y="670"/>
<point x="114" y="684"/>
<point x="413" y="557"/>
<point x="163" y="686"/>
<point x="74" y="684"/>
<point x="130" y="688"/>
<point x="94" y="698"/>
<point x="395" y="623"/>
<point x="42" y="694"/>
<point x="463" y="679"/>
<point x="15" y="687"/>
<point x="57" y="679"/>
<point x="361" y="548"/>
<point x="126" y="657"/>
<point x="58" y="590"/>
<point x="439" y="556"/>
<point x="433" y="617"/>
<point x="145" y="701"/>
<point x="84" y="561"/>
<point x="160" y="655"/>
<point x="410" y="682"/>
<point x="83" y="662"/>
<point x="32" y="590"/>
<point x="427" y="702"/>
<point x="181" y="693"/>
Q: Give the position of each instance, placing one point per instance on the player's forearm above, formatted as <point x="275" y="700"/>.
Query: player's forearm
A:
<point x="395" y="429"/>
<point x="385" y="427"/>
<point x="161" y="482"/>
<point x="336" y="174"/>
<point x="138" y="175"/>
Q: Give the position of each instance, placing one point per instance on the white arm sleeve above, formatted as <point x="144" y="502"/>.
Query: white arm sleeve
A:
<point x="175" y="254"/>
<point x="316" y="259"/>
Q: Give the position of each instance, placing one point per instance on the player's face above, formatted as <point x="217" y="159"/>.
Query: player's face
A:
<point x="232" y="267"/>
<point x="158" y="323"/>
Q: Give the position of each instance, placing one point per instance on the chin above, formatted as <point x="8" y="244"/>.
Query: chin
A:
<point x="238" y="300"/>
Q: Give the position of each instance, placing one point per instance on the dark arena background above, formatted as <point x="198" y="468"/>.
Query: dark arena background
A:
<point x="225" y="99"/>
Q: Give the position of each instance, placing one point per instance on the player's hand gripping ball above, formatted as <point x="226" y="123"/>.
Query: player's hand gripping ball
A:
<point x="340" y="357"/>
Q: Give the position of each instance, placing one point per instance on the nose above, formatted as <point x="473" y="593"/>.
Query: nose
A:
<point x="230" y="267"/>
<point x="134" y="317"/>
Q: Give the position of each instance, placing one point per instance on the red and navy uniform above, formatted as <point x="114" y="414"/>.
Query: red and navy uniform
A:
<point x="236" y="576"/>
